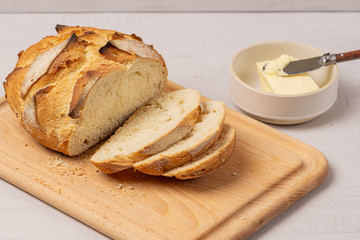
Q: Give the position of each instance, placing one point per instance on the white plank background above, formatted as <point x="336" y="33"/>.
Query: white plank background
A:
<point x="198" y="48"/>
<point x="7" y="6"/>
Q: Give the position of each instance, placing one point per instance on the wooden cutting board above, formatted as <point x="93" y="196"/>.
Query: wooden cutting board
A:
<point x="267" y="173"/>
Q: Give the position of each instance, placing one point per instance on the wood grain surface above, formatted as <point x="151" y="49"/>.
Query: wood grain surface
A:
<point x="267" y="173"/>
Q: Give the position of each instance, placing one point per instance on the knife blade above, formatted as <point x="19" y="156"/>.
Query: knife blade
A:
<point x="310" y="64"/>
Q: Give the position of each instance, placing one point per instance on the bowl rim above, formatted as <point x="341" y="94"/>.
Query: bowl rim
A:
<point x="238" y="79"/>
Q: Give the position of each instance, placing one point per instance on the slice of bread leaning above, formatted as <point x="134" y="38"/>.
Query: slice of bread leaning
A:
<point x="210" y="160"/>
<point x="71" y="90"/>
<point x="154" y="127"/>
<point x="204" y="133"/>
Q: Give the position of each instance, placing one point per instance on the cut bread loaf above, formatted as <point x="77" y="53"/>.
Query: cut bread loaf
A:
<point x="154" y="127"/>
<point x="72" y="90"/>
<point x="204" y="133"/>
<point x="210" y="160"/>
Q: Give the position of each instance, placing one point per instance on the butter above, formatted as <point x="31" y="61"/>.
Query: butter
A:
<point x="271" y="82"/>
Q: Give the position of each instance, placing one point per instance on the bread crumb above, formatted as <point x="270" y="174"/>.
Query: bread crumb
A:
<point x="26" y="145"/>
<point x="45" y="184"/>
<point x="238" y="162"/>
<point x="119" y="186"/>
<point x="65" y="168"/>
<point x="234" y="174"/>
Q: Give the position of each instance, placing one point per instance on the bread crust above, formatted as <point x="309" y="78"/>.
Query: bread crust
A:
<point x="207" y="164"/>
<point x="165" y="163"/>
<point x="42" y="63"/>
<point x="119" y="162"/>
<point x="161" y="163"/>
<point x="58" y="96"/>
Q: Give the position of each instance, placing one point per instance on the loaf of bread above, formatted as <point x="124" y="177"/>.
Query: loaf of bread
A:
<point x="74" y="89"/>
<point x="154" y="127"/>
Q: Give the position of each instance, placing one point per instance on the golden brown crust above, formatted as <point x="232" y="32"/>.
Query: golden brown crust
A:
<point x="110" y="168"/>
<point x="42" y="64"/>
<point x="20" y="53"/>
<point x="30" y="123"/>
<point x="40" y="103"/>
<point x="12" y="89"/>
<point x="61" y="28"/>
<point x="113" y="53"/>
<point x="33" y="116"/>
<point x="28" y="56"/>
<point x="66" y="58"/>
<point x="56" y="98"/>
<point x="166" y="163"/>
<point x="81" y="91"/>
<point x="137" y="48"/>
<point x="212" y="163"/>
<point x="133" y="35"/>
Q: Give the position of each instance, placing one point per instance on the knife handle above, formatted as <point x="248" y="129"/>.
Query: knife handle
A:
<point x="341" y="57"/>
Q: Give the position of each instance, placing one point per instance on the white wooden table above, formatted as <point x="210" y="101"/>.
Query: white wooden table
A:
<point x="198" y="48"/>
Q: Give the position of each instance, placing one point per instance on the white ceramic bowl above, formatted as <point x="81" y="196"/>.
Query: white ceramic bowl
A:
<point x="245" y="87"/>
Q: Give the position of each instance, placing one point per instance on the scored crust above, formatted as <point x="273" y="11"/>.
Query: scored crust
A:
<point x="55" y="93"/>
<point x="42" y="63"/>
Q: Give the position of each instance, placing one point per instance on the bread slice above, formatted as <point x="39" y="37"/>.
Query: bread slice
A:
<point x="154" y="127"/>
<point x="210" y="160"/>
<point x="204" y="133"/>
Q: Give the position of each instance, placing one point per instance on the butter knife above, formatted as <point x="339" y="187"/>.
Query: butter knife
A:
<point x="310" y="64"/>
